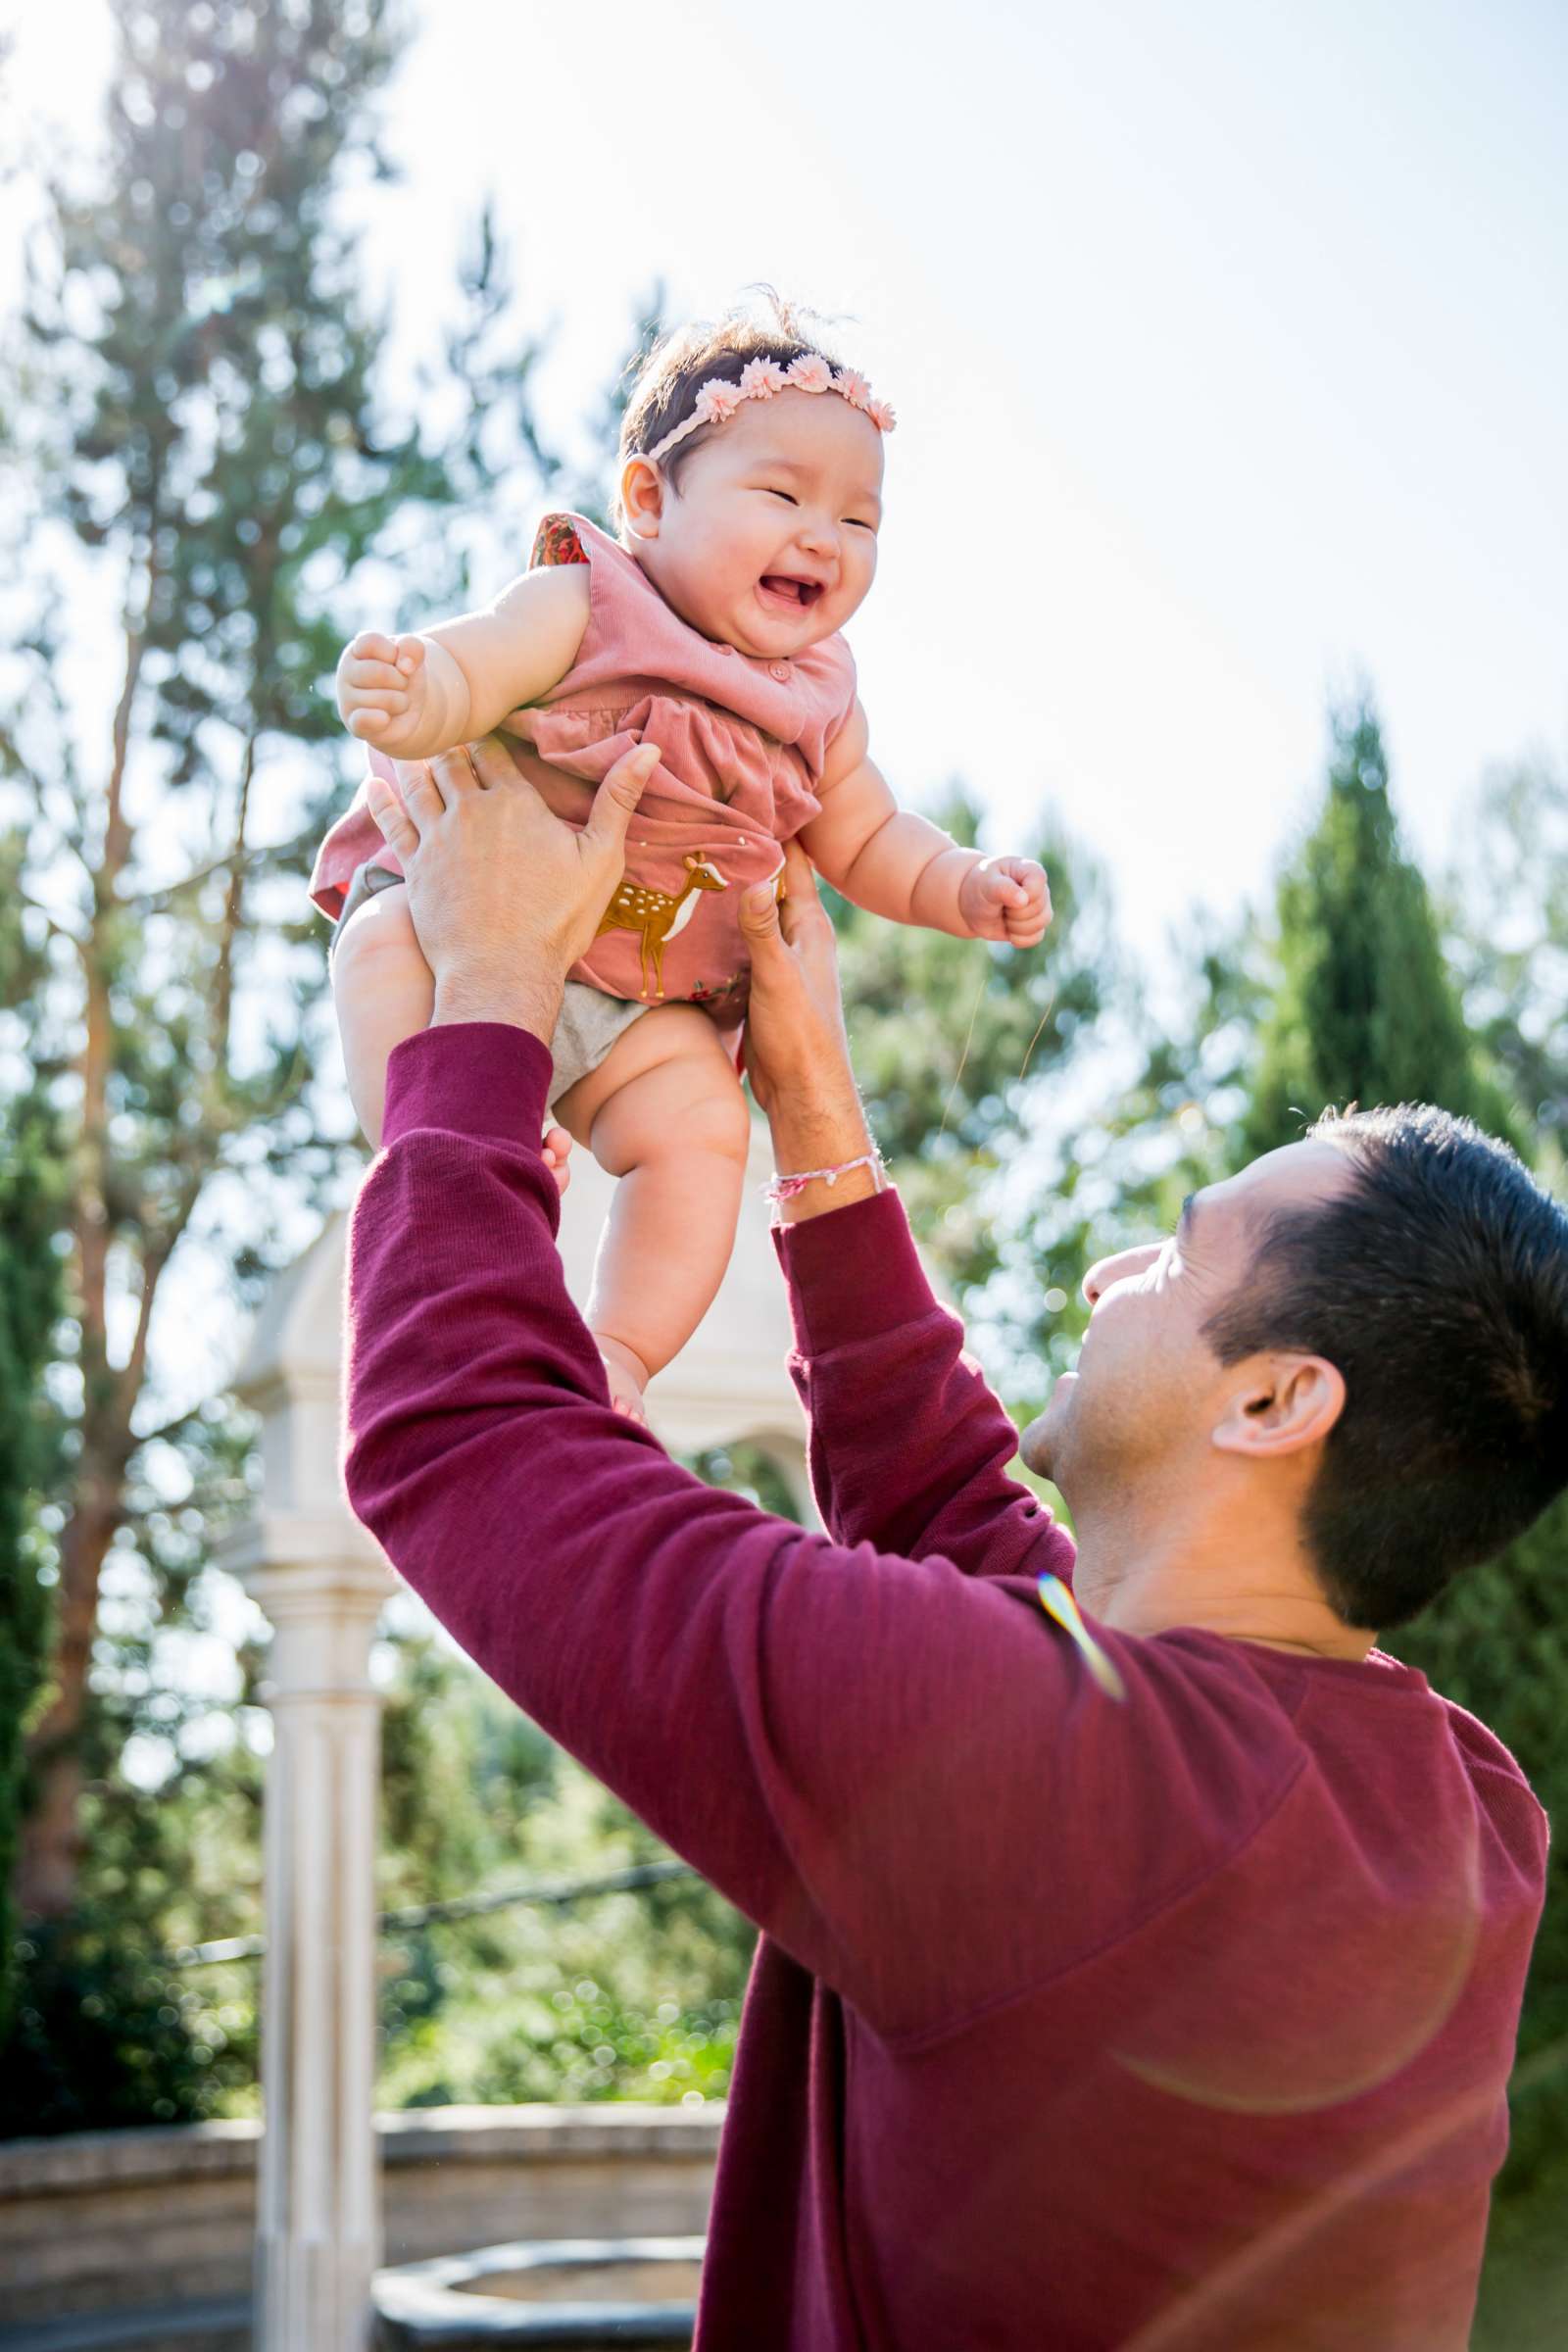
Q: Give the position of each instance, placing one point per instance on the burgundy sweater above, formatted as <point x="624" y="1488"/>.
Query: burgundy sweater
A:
<point x="1179" y="2019"/>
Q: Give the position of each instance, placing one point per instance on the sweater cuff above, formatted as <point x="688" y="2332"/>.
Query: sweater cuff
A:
<point x="483" y="1079"/>
<point x="854" y="1274"/>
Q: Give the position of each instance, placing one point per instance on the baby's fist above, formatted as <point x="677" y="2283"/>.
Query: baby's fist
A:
<point x="1006" y="898"/>
<point x="381" y="687"/>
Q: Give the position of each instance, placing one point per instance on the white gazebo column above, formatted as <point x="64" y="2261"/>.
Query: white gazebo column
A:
<point x="321" y="1581"/>
<point x="318" y="2222"/>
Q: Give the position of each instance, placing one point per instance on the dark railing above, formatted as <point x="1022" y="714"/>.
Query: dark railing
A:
<point x="458" y="1906"/>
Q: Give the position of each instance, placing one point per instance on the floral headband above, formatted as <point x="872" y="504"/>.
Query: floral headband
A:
<point x="759" y="380"/>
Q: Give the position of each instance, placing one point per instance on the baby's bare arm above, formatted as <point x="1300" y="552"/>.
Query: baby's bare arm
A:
<point x="415" y="696"/>
<point x="884" y="858"/>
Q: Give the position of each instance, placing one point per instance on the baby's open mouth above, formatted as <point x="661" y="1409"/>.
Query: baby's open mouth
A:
<point x="801" y="594"/>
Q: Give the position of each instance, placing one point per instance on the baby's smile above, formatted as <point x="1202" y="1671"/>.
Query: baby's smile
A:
<point x="790" y="588"/>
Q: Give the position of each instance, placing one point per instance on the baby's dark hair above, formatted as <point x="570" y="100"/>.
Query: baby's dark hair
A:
<point x="666" y="379"/>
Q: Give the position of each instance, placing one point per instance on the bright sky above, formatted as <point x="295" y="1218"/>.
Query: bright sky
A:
<point x="1228" y="345"/>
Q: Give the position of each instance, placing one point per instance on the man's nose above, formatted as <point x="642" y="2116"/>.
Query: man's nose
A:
<point x="1108" y="1270"/>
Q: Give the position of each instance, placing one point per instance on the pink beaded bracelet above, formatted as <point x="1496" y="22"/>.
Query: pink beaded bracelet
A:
<point x="780" y="1189"/>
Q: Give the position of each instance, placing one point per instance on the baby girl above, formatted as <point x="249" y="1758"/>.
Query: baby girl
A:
<point x="708" y="631"/>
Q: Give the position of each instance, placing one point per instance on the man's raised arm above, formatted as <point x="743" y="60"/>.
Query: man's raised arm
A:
<point x="909" y="1448"/>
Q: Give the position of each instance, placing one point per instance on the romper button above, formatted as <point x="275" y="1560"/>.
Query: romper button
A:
<point x="778" y="669"/>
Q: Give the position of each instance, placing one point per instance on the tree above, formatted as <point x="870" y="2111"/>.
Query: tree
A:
<point x="1363" y="1007"/>
<point x="953" y="1038"/>
<point x="29" y="1302"/>
<point x="1507" y="939"/>
<point x="190" y="438"/>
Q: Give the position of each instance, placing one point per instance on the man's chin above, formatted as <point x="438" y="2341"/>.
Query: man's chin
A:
<point x="1040" y="1447"/>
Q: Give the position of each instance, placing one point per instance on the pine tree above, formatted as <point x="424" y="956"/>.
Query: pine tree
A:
<point x="1364" y="1009"/>
<point x="191" y="435"/>
<point x="1507" y="938"/>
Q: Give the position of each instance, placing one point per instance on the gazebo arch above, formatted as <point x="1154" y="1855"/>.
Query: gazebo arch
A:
<point x="321" y="1581"/>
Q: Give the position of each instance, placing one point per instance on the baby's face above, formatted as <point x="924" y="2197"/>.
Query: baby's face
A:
<point x="769" y="542"/>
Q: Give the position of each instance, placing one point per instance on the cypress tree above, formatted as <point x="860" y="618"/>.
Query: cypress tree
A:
<point x="1363" y="1010"/>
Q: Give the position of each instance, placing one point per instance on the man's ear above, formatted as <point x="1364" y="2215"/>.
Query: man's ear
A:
<point x="1281" y="1404"/>
<point x="642" y="497"/>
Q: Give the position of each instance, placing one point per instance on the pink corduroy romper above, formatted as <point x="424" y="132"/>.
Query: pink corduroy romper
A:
<point x="742" y="744"/>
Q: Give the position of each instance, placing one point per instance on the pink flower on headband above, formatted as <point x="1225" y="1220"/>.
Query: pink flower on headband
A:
<point x="717" y="400"/>
<point x="759" y="377"/>
<point x="809" y="372"/>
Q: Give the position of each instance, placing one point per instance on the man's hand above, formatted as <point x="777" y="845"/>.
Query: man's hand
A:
<point x="504" y="898"/>
<point x="1006" y="898"/>
<point x="797" y="1054"/>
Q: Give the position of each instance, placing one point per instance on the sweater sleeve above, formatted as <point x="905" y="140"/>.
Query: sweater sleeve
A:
<point x="823" y="1732"/>
<point x="908" y="1447"/>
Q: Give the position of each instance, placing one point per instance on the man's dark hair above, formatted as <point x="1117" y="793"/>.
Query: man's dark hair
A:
<point x="1437" y="1283"/>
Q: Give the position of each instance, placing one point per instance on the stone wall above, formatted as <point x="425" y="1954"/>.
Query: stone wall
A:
<point x="126" y="2221"/>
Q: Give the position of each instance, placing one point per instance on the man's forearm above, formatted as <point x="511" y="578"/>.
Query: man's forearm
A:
<point x="822" y="1126"/>
<point x="520" y="998"/>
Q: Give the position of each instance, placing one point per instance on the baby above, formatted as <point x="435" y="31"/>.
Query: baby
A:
<point x="749" y="502"/>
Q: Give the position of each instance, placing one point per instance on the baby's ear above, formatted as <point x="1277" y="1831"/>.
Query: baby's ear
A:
<point x="642" y="497"/>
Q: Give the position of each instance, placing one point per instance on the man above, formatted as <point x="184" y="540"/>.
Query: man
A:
<point x="1149" y="1978"/>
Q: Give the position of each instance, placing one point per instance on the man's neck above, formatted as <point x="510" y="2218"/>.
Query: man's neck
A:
<point x="1256" y="1585"/>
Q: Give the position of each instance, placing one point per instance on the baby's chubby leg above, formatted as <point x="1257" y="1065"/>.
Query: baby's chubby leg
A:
<point x="664" y="1112"/>
<point x="383" y="991"/>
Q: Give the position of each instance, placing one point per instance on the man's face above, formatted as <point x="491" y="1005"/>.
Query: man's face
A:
<point x="1149" y="1390"/>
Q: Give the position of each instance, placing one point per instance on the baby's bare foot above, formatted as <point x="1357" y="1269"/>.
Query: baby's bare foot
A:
<point x="627" y="1376"/>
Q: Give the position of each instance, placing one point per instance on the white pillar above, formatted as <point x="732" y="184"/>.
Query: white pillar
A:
<point x="319" y="2222"/>
<point x="322" y="1581"/>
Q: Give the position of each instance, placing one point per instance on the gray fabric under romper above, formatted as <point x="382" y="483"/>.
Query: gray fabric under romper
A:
<point x="590" y="1022"/>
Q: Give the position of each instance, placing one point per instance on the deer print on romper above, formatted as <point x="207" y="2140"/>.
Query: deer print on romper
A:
<point x="656" y="916"/>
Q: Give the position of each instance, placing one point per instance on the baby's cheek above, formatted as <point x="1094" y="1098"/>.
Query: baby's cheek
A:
<point x="862" y="572"/>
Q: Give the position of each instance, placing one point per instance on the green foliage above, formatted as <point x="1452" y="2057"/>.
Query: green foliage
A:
<point x="1507" y="939"/>
<point x="1364" y="1007"/>
<point x="746" y="1470"/>
<point x="626" y="1995"/>
<point x="29" y="1302"/>
<point x="109" y="2034"/>
<point x="109" y="2031"/>
<point x="951" y="1037"/>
